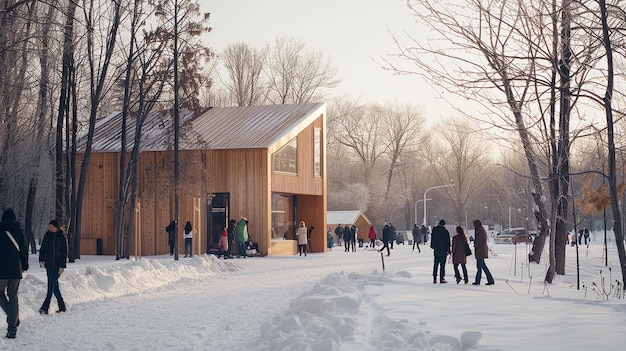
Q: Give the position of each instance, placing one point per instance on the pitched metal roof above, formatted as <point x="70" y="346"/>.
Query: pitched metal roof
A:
<point x="342" y="217"/>
<point x="241" y="127"/>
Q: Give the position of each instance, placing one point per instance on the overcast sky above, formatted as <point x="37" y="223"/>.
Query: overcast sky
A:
<point x="352" y="32"/>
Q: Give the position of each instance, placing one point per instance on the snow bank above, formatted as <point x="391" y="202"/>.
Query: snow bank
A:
<point x="80" y="284"/>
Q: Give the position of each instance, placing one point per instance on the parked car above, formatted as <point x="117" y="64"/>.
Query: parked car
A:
<point x="513" y="236"/>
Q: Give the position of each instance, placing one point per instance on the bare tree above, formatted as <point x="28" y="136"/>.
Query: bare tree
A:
<point x="244" y="67"/>
<point x="296" y="75"/>
<point x="460" y="157"/>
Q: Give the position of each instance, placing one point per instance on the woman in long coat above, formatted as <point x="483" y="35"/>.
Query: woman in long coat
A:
<point x="459" y="240"/>
<point x="481" y="252"/>
<point x="302" y="238"/>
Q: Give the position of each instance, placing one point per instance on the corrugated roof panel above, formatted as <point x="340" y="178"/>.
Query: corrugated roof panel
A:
<point x="242" y="127"/>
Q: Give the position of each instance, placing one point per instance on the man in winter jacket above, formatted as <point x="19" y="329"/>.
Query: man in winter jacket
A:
<point x="440" y="243"/>
<point x="13" y="261"/>
<point x="242" y="236"/>
<point x="481" y="252"/>
<point x="171" y="229"/>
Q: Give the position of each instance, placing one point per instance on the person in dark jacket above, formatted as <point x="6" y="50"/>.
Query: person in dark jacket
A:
<point x="393" y="234"/>
<point x="440" y="243"/>
<point x="386" y="238"/>
<point x="347" y="238"/>
<point x="232" y="226"/>
<point x="481" y="252"/>
<point x="170" y="229"/>
<point x="13" y="261"/>
<point x="188" y="235"/>
<point x="339" y="234"/>
<point x="416" y="237"/>
<point x="53" y="256"/>
<point x="459" y="257"/>
<point x="424" y="231"/>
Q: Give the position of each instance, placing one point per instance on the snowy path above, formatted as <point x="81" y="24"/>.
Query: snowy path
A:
<point x="322" y="302"/>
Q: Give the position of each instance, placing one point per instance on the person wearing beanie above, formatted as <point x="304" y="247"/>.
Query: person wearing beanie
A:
<point x="440" y="243"/>
<point x="53" y="256"/>
<point x="13" y="261"/>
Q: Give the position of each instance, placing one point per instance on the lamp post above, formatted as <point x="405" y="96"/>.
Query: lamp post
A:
<point x="415" y="208"/>
<point x="429" y="189"/>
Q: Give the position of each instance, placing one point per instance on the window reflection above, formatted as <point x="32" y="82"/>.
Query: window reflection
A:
<point x="285" y="159"/>
<point x="282" y="217"/>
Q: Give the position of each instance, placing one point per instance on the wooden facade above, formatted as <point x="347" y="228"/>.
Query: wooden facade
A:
<point x="216" y="185"/>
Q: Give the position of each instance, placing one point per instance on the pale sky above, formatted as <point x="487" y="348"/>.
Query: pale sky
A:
<point x="352" y="32"/>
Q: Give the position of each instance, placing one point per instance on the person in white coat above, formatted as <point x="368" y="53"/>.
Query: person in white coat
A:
<point x="188" y="236"/>
<point x="302" y="238"/>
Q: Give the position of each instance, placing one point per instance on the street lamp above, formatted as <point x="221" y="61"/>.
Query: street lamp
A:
<point x="429" y="189"/>
<point x="416" y="202"/>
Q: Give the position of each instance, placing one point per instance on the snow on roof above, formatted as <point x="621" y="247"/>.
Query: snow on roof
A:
<point x="342" y="217"/>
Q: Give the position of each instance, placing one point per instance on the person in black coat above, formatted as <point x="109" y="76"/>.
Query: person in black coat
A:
<point x="13" y="261"/>
<point x="347" y="237"/>
<point x="416" y="237"/>
<point x="170" y="229"/>
<point x="440" y="243"/>
<point x="232" y="226"/>
<point x="386" y="238"/>
<point x="53" y="256"/>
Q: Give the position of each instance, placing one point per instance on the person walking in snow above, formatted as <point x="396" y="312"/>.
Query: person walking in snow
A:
<point x="372" y="236"/>
<point x="170" y="229"/>
<point x="242" y="236"/>
<point x="339" y="234"/>
<point x="386" y="238"/>
<point x="424" y="231"/>
<point x="302" y="238"/>
<point x="222" y="244"/>
<point x="188" y="235"/>
<point x="440" y="243"/>
<point x="416" y="237"/>
<point x="354" y="232"/>
<point x="53" y="256"/>
<point x="459" y="257"/>
<point x="481" y="252"/>
<point x="347" y="238"/>
<point x="13" y="261"/>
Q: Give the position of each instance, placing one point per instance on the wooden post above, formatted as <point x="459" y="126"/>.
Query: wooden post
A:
<point x="197" y="232"/>
<point x="383" y="260"/>
<point x="138" y="230"/>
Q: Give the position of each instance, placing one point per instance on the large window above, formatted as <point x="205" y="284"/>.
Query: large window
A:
<point x="317" y="152"/>
<point x="285" y="159"/>
<point x="282" y="217"/>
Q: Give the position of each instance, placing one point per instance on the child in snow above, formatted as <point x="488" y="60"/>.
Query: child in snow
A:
<point x="223" y="244"/>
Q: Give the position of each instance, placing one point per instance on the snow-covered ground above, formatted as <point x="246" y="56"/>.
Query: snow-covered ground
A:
<point x="330" y="301"/>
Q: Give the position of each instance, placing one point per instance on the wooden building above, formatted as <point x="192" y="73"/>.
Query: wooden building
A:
<point x="349" y="218"/>
<point x="265" y="163"/>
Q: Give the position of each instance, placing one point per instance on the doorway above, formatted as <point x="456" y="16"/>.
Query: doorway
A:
<point x="218" y="213"/>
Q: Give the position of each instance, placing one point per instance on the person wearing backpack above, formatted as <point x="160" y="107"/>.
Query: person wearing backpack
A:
<point x="13" y="261"/>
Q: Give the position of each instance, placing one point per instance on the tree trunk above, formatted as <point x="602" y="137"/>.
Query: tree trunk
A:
<point x="617" y="226"/>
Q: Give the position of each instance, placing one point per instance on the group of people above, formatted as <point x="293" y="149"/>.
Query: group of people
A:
<point x="14" y="261"/>
<point x="346" y="234"/>
<point x="236" y="234"/>
<point x="458" y="248"/>
<point x="578" y="237"/>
